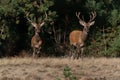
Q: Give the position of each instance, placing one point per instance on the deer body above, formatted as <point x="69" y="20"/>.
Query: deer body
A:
<point x="77" y="37"/>
<point x="36" y="42"/>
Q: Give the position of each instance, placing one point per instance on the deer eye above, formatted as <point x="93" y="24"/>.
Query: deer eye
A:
<point x="87" y="29"/>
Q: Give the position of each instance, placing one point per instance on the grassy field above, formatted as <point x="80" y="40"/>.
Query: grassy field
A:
<point x="52" y="68"/>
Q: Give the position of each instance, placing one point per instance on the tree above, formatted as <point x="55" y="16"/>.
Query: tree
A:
<point x="107" y="27"/>
<point x="14" y="30"/>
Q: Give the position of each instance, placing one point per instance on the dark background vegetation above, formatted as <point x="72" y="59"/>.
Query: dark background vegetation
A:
<point x="16" y="31"/>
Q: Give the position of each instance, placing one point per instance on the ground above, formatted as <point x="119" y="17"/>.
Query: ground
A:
<point x="52" y="68"/>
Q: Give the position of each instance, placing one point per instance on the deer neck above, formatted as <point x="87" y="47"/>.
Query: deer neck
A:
<point x="84" y="35"/>
<point x="37" y="36"/>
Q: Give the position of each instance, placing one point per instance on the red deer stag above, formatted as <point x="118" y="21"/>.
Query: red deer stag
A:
<point x="77" y="37"/>
<point x="36" y="40"/>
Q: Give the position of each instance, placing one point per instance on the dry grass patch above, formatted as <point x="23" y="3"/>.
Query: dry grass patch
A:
<point x="51" y="68"/>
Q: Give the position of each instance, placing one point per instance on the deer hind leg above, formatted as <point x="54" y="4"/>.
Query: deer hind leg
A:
<point x="72" y="53"/>
<point x="76" y="52"/>
<point x="82" y="51"/>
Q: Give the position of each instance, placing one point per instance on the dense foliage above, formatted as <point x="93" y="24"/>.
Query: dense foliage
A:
<point x="16" y="31"/>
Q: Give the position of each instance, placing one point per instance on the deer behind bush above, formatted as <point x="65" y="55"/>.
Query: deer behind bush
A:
<point x="36" y="41"/>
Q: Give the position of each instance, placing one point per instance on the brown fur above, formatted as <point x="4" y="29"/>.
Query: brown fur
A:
<point x="78" y="37"/>
<point x="36" y="42"/>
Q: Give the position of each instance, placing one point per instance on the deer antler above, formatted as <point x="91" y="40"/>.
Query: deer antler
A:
<point x="33" y="23"/>
<point x="92" y="16"/>
<point x="42" y="22"/>
<point x="28" y="18"/>
<point x="78" y="16"/>
<point x="45" y="16"/>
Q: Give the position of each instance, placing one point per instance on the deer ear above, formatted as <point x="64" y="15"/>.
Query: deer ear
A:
<point x="82" y="23"/>
<point x="91" y="23"/>
<point x="34" y="25"/>
<point x="41" y="24"/>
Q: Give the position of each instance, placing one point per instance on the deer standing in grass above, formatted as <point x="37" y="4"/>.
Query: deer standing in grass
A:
<point x="36" y="41"/>
<point x="77" y="37"/>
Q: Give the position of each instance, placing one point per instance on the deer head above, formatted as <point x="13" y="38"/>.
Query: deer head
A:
<point x="37" y="25"/>
<point x="86" y="25"/>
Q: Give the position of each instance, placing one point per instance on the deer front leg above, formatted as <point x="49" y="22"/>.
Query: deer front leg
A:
<point x="78" y="52"/>
<point x="34" y="51"/>
<point x="38" y="51"/>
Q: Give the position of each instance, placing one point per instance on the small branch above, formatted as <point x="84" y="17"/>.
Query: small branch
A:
<point x="54" y="32"/>
<point x="104" y="40"/>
